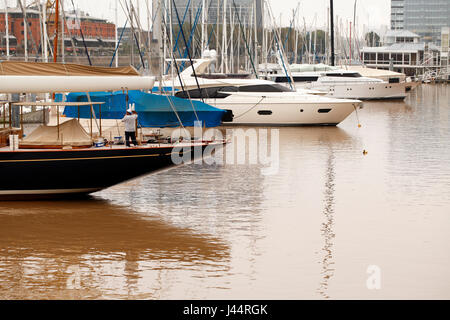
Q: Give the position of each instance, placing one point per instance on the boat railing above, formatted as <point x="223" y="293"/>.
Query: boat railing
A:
<point x="47" y="104"/>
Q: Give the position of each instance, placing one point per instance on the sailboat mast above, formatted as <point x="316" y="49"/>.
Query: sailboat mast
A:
<point x="165" y="15"/>
<point x="224" y="42"/>
<point x="55" y="41"/>
<point x="63" y="47"/>
<point x="25" y="29"/>
<point x="239" y="45"/>
<point x="332" y="32"/>
<point x="138" y="22"/>
<point x="217" y="27"/>
<point x="7" y="30"/>
<point x="203" y="27"/>
<point x="264" y="44"/>
<point x="255" y="21"/>
<point x="327" y="37"/>
<point x="296" y="37"/>
<point x="116" y="33"/>
<point x="350" y="53"/>
<point x="231" y="41"/>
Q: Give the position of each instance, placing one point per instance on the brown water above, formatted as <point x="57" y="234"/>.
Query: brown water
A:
<point x="229" y="232"/>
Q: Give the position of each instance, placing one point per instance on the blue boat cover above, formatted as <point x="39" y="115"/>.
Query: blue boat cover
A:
<point x="154" y="111"/>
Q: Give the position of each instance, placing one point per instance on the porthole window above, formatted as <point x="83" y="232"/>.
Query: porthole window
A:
<point x="264" y="112"/>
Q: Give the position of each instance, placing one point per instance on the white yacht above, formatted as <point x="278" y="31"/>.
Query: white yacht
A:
<point x="260" y="102"/>
<point x="340" y="83"/>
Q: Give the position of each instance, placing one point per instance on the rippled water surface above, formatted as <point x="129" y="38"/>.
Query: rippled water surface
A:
<point x="311" y="231"/>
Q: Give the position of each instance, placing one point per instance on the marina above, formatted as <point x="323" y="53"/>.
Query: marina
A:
<point x="230" y="232"/>
<point x="210" y="150"/>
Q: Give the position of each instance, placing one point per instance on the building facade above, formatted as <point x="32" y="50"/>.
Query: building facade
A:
<point x="97" y="33"/>
<point x="424" y="17"/>
<point x="402" y="52"/>
<point x="215" y="9"/>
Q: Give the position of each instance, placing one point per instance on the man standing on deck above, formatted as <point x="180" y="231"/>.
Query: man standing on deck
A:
<point x="130" y="127"/>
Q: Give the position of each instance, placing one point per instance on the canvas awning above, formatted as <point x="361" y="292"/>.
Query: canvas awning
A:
<point x="13" y="68"/>
<point x="70" y="133"/>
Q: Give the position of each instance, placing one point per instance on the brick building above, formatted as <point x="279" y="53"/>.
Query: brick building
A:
<point x="98" y="33"/>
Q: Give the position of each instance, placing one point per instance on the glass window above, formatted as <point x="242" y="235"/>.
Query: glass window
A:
<point x="265" y="88"/>
<point x="211" y="93"/>
<point x="297" y="79"/>
<point x="344" y="75"/>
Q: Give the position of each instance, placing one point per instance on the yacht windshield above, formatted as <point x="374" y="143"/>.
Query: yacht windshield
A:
<point x="223" y="92"/>
<point x="297" y="79"/>
<point x="264" y="88"/>
<point x="344" y="75"/>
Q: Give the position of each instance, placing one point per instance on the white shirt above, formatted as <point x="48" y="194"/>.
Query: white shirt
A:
<point x="130" y="122"/>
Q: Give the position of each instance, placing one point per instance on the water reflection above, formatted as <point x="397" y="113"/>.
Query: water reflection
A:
<point x="327" y="227"/>
<point x="109" y="247"/>
<point x="418" y="144"/>
<point x="230" y="232"/>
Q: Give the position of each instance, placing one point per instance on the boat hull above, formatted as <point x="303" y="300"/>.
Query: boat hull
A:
<point x="286" y="113"/>
<point x="362" y="91"/>
<point x="67" y="173"/>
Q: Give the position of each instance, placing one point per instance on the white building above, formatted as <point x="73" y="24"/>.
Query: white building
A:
<point x="403" y="52"/>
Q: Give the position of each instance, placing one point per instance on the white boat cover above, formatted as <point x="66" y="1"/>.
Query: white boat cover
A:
<point x="71" y="133"/>
<point x="39" y="77"/>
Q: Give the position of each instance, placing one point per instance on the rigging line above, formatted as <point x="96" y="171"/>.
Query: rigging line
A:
<point x="214" y="25"/>
<point x="245" y="39"/>
<point x="290" y="28"/>
<point x="179" y="34"/>
<point x="173" y="107"/>
<point x="29" y="31"/>
<point x="280" y="50"/>
<point x="70" y="32"/>
<point x="257" y="104"/>
<point x="41" y="13"/>
<point x="41" y="21"/>
<point x="118" y="44"/>
<point x="155" y="15"/>
<point x="357" y="116"/>
<point x="192" y="34"/>
<point x="138" y="21"/>
<point x="179" y="76"/>
<point x="189" y="54"/>
<point x="82" y="35"/>
<point x="133" y="30"/>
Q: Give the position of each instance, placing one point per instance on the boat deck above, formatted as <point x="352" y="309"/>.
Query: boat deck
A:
<point x="118" y="147"/>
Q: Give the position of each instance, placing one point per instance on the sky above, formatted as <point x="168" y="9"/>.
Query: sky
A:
<point x="370" y="13"/>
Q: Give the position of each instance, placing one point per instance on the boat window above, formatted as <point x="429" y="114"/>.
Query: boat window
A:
<point x="344" y="75"/>
<point x="324" y="110"/>
<point x="394" y="80"/>
<point x="297" y="79"/>
<point x="229" y="89"/>
<point x="206" y="93"/>
<point x="265" y="88"/>
<point x="265" y="112"/>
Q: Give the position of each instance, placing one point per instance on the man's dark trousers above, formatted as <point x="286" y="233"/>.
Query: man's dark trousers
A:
<point x="132" y="136"/>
